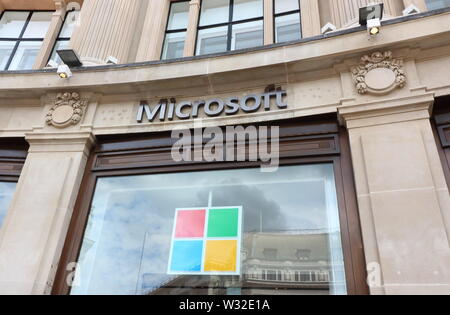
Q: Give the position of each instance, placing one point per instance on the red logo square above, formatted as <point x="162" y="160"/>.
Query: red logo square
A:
<point x="190" y="223"/>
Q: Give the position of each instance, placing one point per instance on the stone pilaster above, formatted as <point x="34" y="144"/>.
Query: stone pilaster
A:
<point x="310" y="15"/>
<point x="403" y="197"/>
<point x="191" y="35"/>
<point x="52" y="34"/>
<point x="107" y="28"/>
<point x="35" y="229"/>
<point x="152" y="37"/>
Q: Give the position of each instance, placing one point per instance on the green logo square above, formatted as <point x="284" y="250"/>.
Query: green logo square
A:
<point x="223" y="222"/>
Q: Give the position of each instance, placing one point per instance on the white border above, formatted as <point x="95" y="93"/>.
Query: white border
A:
<point x="205" y="239"/>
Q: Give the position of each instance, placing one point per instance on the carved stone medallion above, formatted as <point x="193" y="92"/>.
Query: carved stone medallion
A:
<point x="67" y="110"/>
<point x="379" y="73"/>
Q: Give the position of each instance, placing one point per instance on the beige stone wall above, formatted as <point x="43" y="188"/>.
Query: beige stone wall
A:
<point x="108" y="28"/>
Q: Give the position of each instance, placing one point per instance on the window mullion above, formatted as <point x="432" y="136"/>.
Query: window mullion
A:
<point x="230" y="25"/>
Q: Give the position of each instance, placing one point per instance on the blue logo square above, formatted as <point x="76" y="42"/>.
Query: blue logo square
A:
<point x="187" y="256"/>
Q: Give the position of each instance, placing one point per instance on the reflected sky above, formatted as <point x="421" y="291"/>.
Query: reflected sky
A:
<point x="127" y="240"/>
<point x="6" y="192"/>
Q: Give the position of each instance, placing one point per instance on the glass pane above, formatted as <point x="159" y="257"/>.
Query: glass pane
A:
<point x="6" y="194"/>
<point x="287" y="224"/>
<point x="12" y="23"/>
<point x="6" y="49"/>
<point x="214" y="12"/>
<point x="69" y="24"/>
<point x="437" y="4"/>
<point x="174" y="45"/>
<point x="61" y="44"/>
<point x="287" y="28"/>
<point x="178" y="18"/>
<point x="247" y="35"/>
<point x="39" y="24"/>
<point x="25" y="55"/>
<point x="212" y="40"/>
<point x="247" y="9"/>
<point x="286" y="5"/>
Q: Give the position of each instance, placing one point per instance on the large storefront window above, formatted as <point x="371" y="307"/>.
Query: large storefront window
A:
<point x="6" y="192"/>
<point x="146" y="224"/>
<point x="290" y="233"/>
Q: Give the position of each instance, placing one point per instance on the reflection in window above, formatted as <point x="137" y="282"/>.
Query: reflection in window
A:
<point x="437" y="4"/>
<point x="63" y="40"/>
<point x="126" y="246"/>
<point x="287" y="20"/>
<point x="6" y="193"/>
<point x="176" y="30"/>
<point x="21" y="37"/>
<point x="230" y="25"/>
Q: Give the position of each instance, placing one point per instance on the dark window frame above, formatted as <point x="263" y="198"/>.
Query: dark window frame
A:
<point x="276" y="15"/>
<point x="13" y="153"/>
<point x="441" y="129"/>
<point x="135" y="155"/>
<point x="167" y="31"/>
<point x="20" y="39"/>
<point x="229" y="24"/>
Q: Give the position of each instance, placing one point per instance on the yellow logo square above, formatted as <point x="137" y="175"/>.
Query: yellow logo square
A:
<point x="221" y="256"/>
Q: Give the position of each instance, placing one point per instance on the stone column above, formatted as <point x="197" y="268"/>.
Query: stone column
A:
<point x="191" y="35"/>
<point x="420" y="4"/>
<point x="268" y="22"/>
<point x="403" y="197"/>
<point x="153" y="31"/>
<point x="310" y="15"/>
<point x="52" y="34"/>
<point x="35" y="229"/>
<point x="107" y="28"/>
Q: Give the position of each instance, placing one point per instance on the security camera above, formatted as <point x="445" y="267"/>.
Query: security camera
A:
<point x="112" y="60"/>
<point x="64" y="72"/>
<point x="52" y="64"/>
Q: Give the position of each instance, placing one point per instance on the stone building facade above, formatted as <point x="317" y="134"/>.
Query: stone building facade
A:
<point x="386" y="95"/>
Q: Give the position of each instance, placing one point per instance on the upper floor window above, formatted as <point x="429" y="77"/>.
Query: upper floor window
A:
<point x="287" y="20"/>
<point x="21" y="37"/>
<point x="230" y="24"/>
<point x="63" y="40"/>
<point x="437" y="4"/>
<point x="176" y="30"/>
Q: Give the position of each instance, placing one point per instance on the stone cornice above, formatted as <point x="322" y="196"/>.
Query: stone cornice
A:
<point x="281" y="61"/>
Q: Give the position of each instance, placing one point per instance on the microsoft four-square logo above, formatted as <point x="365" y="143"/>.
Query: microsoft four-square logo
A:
<point x="206" y="241"/>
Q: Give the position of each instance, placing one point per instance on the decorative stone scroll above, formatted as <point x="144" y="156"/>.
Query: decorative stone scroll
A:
<point x="67" y="110"/>
<point x="378" y="74"/>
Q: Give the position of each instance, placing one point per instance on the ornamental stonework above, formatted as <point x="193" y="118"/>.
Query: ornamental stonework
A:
<point x="67" y="110"/>
<point x="379" y="73"/>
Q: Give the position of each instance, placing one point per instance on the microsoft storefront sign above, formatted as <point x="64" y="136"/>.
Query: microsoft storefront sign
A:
<point x="206" y="241"/>
<point x="211" y="108"/>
